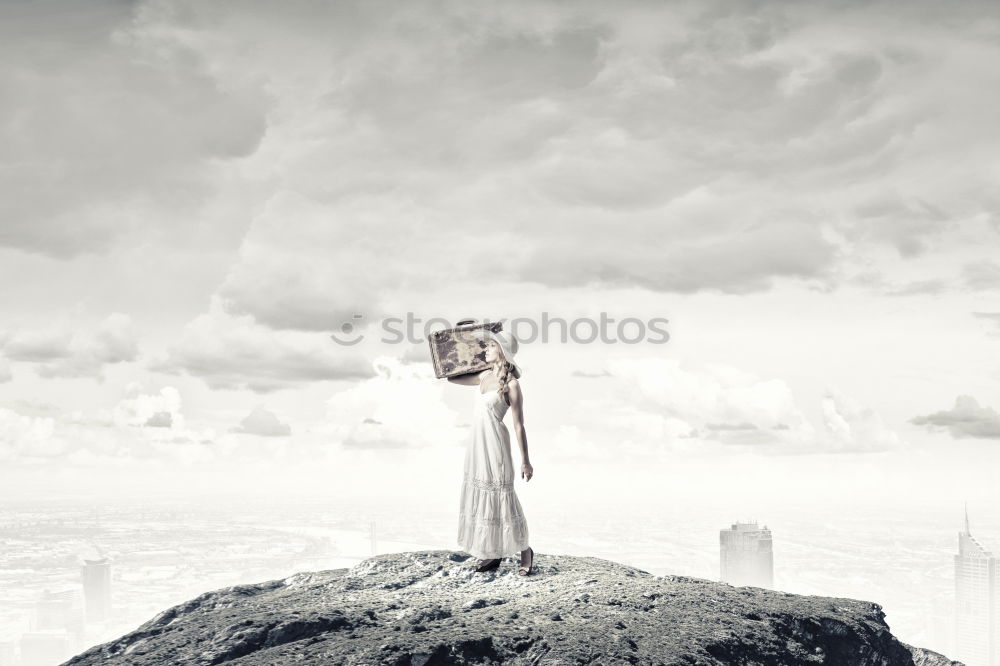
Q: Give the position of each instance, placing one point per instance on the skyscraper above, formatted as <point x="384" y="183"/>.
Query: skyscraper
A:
<point x="977" y="602"/>
<point x="96" y="589"/>
<point x="746" y="555"/>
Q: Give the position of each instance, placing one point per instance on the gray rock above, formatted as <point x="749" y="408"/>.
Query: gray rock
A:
<point x="924" y="657"/>
<point x="429" y="608"/>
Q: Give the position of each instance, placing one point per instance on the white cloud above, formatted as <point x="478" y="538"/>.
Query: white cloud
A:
<point x="28" y="437"/>
<point x="401" y="407"/>
<point x="853" y="427"/>
<point x="66" y="351"/>
<point x="263" y="422"/>
<point x="234" y="352"/>
<point x="138" y="409"/>
<point x="656" y="405"/>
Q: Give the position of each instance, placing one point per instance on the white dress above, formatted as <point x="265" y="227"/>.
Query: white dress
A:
<point x="491" y="523"/>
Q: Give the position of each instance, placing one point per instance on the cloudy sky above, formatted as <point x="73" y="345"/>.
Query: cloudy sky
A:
<point x="196" y="195"/>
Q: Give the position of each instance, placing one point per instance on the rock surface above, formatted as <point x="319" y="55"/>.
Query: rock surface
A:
<point x="428" y="607"/>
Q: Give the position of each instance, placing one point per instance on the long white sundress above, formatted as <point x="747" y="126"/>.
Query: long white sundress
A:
<point x="491" y="523"/>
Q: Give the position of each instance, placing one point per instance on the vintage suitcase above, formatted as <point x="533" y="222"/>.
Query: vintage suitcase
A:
<point x="456" y="351"/>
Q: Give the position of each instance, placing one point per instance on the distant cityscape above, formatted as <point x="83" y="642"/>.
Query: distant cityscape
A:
<point x="86" y="596"/>
<point x="746" y="557"/>
<point x="108" y="596"/>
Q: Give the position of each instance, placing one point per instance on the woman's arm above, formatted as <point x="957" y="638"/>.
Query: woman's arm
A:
<point x="517" y="409"/>
<point x="468" y="379"/>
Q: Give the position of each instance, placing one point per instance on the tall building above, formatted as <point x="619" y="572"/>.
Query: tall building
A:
<point x="977" y="602"/>
<point x="746" y="555"/>
<point x="96" y="589"/>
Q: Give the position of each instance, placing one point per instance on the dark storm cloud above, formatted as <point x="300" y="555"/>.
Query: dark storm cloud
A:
<point x="966" y="419"/>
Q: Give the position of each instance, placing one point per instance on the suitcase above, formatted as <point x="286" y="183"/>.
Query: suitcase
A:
<point x="454" y="351"/>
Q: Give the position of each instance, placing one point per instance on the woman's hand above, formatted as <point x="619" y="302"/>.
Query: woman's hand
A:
<point x="527" y="471"/>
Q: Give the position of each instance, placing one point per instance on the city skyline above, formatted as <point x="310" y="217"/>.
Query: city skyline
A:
<point x="154" y="568"/>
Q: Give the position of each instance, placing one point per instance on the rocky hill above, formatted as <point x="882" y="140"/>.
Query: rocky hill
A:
<point x="428" y="607"/>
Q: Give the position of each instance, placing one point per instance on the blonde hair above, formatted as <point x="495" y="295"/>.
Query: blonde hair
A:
<point x="505" y="372"/>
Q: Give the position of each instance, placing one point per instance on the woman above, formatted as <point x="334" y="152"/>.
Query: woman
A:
<point x="491" y="523"/>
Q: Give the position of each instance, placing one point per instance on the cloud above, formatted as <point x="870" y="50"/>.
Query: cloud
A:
<point x="111" y="126"/>
<point x="5" y="373"/>
<point x="159" y="420"/>
<point x="853" y="427"/>
<point x="264" y="423"/>
<point x="234" y="352"/>
<point x="905" y="224"/>
<point x="64" y="352"/>
<point x="655" y="405"/>
<point x="966" y="419"/>
<point x="144" y="438"/>
<point x="590" y="375"/>
<point x="35" y="407"/>
<point x="296" y="270"/>
<point x="991" y="317"/>
<point x="362" y="147"/>
<point x="932" y="286"/>
<point x="724" y="150"/>
<point x="33" y="436"/>
<point x="136" y="408"/>
<point x="981" y="275"/>
<point x="142" y="427"/>
<point x="977" y="276"/>
<point x="402" y="407"/>
<point x="731" y="426"/>
<point x="419" y="353"/>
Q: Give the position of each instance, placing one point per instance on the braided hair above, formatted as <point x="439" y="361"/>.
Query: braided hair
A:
<point x="503" y="371"/>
